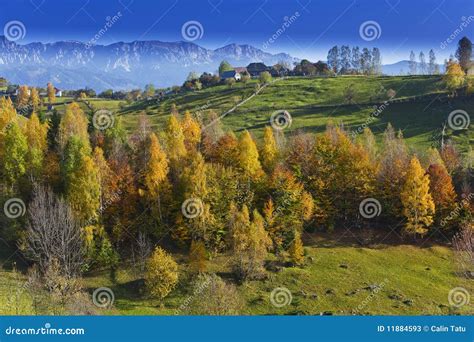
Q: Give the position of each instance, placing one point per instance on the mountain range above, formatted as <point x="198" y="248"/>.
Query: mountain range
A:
<point x="74" y="65"/>
<point x="124" y="66"/>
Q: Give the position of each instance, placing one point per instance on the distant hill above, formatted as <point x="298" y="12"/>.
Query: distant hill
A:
<point x="402" y="68"/>
<point x="73" y="65"/>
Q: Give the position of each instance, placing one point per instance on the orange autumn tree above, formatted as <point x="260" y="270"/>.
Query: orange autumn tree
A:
<point x="418" y="205"/>
<point x="442" y="190"/>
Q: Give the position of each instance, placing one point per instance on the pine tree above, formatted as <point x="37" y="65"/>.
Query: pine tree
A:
<point x="248" y="156"/>
<point x="418" y="205"/>
<point x="269" y="152"/>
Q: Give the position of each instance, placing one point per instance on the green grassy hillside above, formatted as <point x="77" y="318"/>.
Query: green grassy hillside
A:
<point x="313" y="102"/>
<point x="339" y="279"/>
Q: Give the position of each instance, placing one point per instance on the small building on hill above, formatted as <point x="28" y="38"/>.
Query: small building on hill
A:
<point x="255" y="69"/>
<point x="231" y="74"/>
<point x="241" y="70"/>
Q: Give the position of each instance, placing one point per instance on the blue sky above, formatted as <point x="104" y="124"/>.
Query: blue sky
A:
<point x="404" y="24"/>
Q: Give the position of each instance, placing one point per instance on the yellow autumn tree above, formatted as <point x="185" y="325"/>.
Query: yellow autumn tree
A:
<point x="156" y="176"/>
<point x="174" y="140"/>
<point x="74" y="122"/>
<point x="36" y="136"/>
<point x="161" y="274"/>
<point x="248" y="156"/>
<point x="35" y="100"/>
<point x="418" y="205"/>
<point x="7" y="118"/>
<point x="269" y="151"/>
<point x="296" y="250"/>
<point x="454" y="76"/>
<point x="83" y="190"/>
<point x="51" y="92"/>
<point x="191" y="131"/>
<point x="250" y="243"/>
<point x="23" y="96"/>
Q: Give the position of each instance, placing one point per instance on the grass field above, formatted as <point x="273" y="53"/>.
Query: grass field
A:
<point x="340" y="278"/>
<point x="313" y="102"/>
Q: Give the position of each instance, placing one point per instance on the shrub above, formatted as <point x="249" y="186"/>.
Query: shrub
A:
<point x="162" y="273"/>
<point x="213" y="296"/>
<point x="265" y="77"/>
